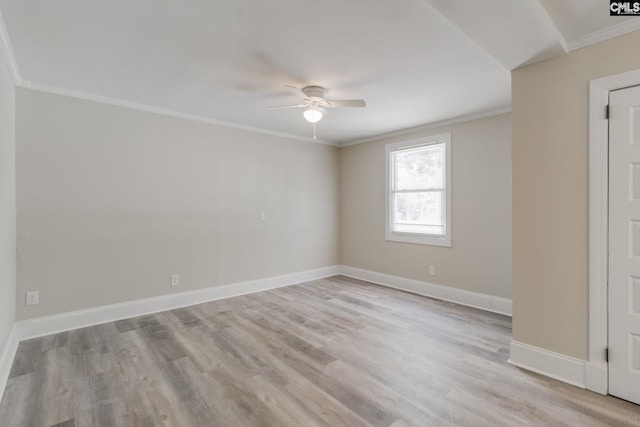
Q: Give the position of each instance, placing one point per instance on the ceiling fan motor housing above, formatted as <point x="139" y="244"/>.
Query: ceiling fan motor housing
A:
<point x="313" y="91"/>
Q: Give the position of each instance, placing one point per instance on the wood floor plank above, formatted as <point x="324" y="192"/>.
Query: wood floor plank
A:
<point x="18" y="406"/>
<point x="289" y="410"/>
<point x="56" y="398"/>
<point x="28" y="358"/>
<point x="333" y="352"/>
<point x="324" y="405"/>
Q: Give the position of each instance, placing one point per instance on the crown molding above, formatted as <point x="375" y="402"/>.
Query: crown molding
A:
<point x="203" y="119"/>
<point x="163" y="111"/>
<point x="427" y="126"/>
<point x="605" y="34"/>
<point x="9" y="55"/>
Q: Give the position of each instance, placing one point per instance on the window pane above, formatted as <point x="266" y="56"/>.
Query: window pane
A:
<point x="419" y="168"/>
<point x="419" y="210"/>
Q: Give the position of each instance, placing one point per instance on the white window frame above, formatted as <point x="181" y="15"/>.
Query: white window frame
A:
<point x="418" y="238"/>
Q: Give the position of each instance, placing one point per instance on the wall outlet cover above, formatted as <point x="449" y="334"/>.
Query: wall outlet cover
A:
<point x="33" y="297"/>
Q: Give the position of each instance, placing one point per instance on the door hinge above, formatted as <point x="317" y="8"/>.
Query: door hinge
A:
<point x="606" y="112"/>
<point x="606" y="354"/>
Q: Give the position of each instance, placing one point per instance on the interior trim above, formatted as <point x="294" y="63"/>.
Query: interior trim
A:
<point x="599" y="222"/>
<point x="163" y="111"/>
<point x="459" y="296"/>
<point x="427" y="127"/>
<point x="606" y="34"/>
<point x="6" y="358"/>
<point x="548" y="363"/>
<point x="46" y="325"/>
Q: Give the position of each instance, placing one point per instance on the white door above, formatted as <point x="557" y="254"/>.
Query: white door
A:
<point x="624" y="244"/>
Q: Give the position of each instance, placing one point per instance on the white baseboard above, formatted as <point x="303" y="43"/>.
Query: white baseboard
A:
<point x="554" y="365"/>
<point x="596" y="377"/>
<point x="6" y="358"/>
<point x="459" y="296"/>
<point x="47" y="325"/>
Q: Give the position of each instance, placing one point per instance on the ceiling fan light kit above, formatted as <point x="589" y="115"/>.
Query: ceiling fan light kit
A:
<point x="313" y="114"/>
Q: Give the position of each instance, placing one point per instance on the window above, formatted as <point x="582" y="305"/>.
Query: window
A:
<point x="419" y="191"/>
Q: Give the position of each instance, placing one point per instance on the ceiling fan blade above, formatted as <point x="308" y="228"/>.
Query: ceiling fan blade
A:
<point x="345" y="103"/>
<point x="297" y="90"/>
<point x="286" y="106"/>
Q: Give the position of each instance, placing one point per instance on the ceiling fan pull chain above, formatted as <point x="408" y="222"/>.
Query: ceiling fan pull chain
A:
<point x="314" y="130"/>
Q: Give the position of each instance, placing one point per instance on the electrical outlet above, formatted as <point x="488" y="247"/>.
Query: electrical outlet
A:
<point x="33" y="297"/>
<point x="432" y="270"/>
<point x="263" y="216"/>
<point x="175" y="280"/>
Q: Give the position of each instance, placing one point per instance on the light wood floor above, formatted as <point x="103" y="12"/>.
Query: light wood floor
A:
<point x="334" y="352"/>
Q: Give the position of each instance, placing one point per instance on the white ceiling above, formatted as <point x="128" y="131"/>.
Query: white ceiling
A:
<point x="415" y="62"/>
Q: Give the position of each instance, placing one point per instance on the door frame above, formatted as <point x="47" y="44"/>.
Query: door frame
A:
<point x="597" y="368"/>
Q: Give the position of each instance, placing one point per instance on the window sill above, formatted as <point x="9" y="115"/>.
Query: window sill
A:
<point x="418" y="239"/>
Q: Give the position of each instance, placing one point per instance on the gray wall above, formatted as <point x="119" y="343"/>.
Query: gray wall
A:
<point x="480" y="257"/>
<point x="550" y="193"/>
<point x="7" y="204"/>
<point x="112" y="201"/>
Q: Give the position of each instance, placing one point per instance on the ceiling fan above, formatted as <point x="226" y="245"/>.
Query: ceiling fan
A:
<point x="316" y="104"/>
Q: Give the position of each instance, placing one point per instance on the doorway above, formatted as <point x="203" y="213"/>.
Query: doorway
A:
<point x="597" y="368"/>
<point x="624" y="244"/>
